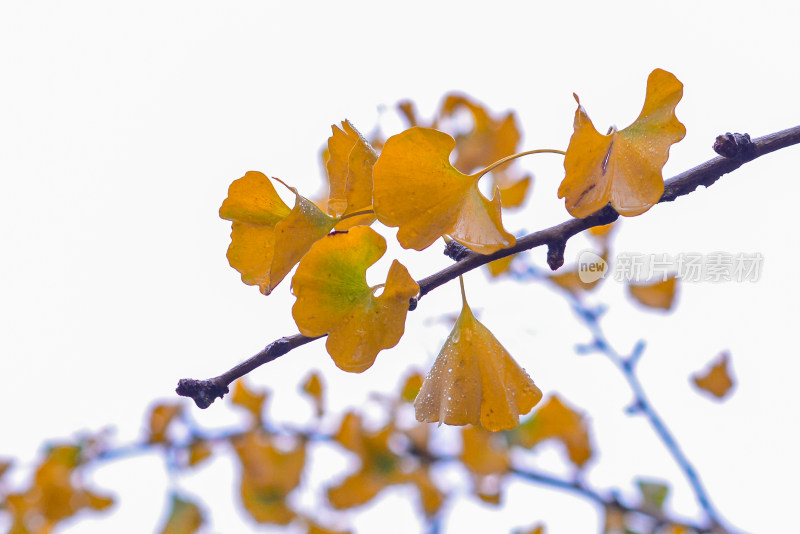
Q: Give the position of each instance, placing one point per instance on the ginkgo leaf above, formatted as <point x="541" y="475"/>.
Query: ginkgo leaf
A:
<point x="653" y="494"/>
<point x="656" y="295"/>
<point x="411" y="387"/>
<point x="199" y="451"/>
<point x="185" y="517"/>
<point x="717" y="380"/>
<point x="556" y="420"/>
<point x="484" y="453"/>
<point x="250" y="400"/>
<point x="161" y="417"/>
<point x="498" y="267"/>
<point x="333" y="298"/>
<point x="419" y="191"/>
<point x="623" y="167"/>
<point x="350" y="175"/>
<point x="512" y="191"/>
<point x="268" y="238"/>
<point x="474" y="380"/>
<point x="313" y="388"/>
<point x="489" y="140"/>
<point x="268" y="476"/>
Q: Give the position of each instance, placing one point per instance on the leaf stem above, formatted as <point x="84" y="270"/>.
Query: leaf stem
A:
<point x="356" y="214"/>
<point x="515" y="156"/>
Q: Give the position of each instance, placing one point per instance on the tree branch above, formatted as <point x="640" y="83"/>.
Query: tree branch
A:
<point x="204" y="392"/>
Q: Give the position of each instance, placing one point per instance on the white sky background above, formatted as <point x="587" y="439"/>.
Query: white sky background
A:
<point x="122" y="125"/>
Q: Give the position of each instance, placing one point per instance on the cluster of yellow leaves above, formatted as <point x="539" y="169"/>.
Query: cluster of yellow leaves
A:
<point x="413" y="186"/>
<point x="380" y="467"/>
<point x="54" y="495"/>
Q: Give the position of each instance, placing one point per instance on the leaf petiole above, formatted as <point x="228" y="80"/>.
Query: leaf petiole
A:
<point x="515" y="156"/>
<point x="356" y="214"/>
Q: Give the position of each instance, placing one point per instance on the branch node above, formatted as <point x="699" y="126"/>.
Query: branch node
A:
<point x="731" y="145"/>
<point x="555" y="253"/>
<point x="456" y="251"/>
<point x="412" y="303"/>
<point x="202" y="392"/>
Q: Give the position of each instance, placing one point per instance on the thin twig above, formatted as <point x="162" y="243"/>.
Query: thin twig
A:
<point x="204" y="392"/>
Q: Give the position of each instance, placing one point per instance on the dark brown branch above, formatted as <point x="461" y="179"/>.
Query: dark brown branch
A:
<point x="204" y="392"/>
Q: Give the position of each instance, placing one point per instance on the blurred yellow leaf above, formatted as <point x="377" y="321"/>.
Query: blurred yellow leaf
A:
<point x="474" y="380"/>
<point x="716" y="380"/>
<point x="160" y="418"/>
<point x="555" y="420"/>
<point x="538" y="529"/>
<point x="333" y="298"/>
<point x="268" y="476"/>
<point x="199" y="451"/>
<point x="411" y="387"/>
<point x="498" y="267"/>
<point x="350" y="175"/>
<point x="267" y="238"/>
<point x="54" y="494"/>
<point x="431" y="497"/>
<point x="313" y="387"/>
<point x="488" y="141"/>
<point x="653" y="494"/>
<point x="418" y="190"/>
<point x="657" y="295"/>
<point x="512" y="191"/>
<point x="4" y="466"/>
<point x="314" y="528"/>
<point x="484" y="453"/>
<point x="185" y="517"/>
<point x="379" y="465"/>
<point x="623" y="167"/>
<point x="570" y="280"/>
<point x="250" y="400"/>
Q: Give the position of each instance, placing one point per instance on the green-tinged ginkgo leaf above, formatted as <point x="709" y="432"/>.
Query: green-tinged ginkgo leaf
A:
<point x="418" y="190"/>
<point x="474" y="380"/>
<point x="333" y="298"/>
<point x="623" y="167"/>
<point x="350" y="175"/>
<point x="268" y="476"/>
<point x="185" y="517"/>
<point x="268" y="238"/>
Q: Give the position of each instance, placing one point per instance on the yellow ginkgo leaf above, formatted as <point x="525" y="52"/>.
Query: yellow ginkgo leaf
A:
<point x="268" y="238"/>
<point x="333" y="298"/>
<point x="556" y="420"/>
<point x="512" y="191"/>
<point x="489" y="140"/>
<point x="268" y="476"/>
<point x="474" y="380"/>
<point x="185" y="517"/>
<point x="623" y="167"/>
<point x="657" y="295"/>
<point x="313" y="387"/>
<point x="250" y="400"/>
<point x="717" y="380"/>
<point x="484" y="453"/>
<point x="350" y="175"/>
<point x="418" y="190"/>
<point x="161" y="417"/>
